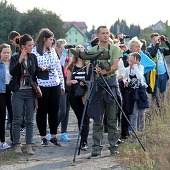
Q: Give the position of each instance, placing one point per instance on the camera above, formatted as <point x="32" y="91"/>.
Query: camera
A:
<point x="69" y="46"/>
<point x="162" y="38"/>
<point x="27" y="81"/>
<point x="122" y="39"/>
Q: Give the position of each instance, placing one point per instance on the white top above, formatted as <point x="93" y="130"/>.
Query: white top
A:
<point x="138" y="70"/>
<point x="8" y="76"/>
<point x="50" y="60"/>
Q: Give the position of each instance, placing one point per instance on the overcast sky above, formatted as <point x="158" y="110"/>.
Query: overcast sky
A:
<point x="103" y="12"/>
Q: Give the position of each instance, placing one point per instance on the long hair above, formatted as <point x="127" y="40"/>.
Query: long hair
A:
<point x="73" y="63"/>
<point x="39" y="42"/>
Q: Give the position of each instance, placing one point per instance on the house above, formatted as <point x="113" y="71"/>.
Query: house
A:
<point x="159" y="26"/>
<point x="76" y="33"/>
<point x="81" y="25"/>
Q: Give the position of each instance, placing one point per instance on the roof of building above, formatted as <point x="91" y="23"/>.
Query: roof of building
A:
<point x="80" y="25"/>
<point x="77" y="29"/>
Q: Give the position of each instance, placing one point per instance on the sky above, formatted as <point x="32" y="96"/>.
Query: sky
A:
<point x="102" y="12"/>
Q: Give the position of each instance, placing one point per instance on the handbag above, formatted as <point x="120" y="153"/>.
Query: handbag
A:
<point x="35" y="86"/>
<point x="79" y="91"/>
<point x="44" y="75"/>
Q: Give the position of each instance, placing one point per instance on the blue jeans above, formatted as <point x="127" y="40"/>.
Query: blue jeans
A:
<point x="19" y="99"/>
<point x="161" y="84"/>
<point x="137" y="119"/>
<point x="64" y="112"/>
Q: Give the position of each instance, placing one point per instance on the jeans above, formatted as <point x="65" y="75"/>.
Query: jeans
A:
<point x="161" y="84"/>
<point x="137" y="119"/>
<point x="19" y="99"/>
<point x="64" y="112"/>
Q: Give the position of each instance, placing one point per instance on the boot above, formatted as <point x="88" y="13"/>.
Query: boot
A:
<point x="18" y="148"/>
<point x="29" y="149"/>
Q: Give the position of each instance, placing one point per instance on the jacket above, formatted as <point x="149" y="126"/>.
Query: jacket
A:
<point x="16" y="70"/>
<point x="153" y="52"/>
<point x="2" y="77"/>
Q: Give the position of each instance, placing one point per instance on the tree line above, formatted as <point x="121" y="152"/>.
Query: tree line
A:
<point x="33" y="20"/>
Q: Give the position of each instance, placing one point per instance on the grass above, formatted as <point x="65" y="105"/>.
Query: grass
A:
<point x="156" y="141"/>
<point x="8" y="157"/>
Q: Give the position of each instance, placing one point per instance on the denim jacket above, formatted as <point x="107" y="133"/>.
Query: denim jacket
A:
<point x="2" y="77"/>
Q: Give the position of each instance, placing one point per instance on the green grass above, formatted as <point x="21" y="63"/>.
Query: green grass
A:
<point x="156" y="141"/>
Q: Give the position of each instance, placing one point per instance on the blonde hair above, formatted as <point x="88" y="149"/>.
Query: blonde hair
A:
<point x="133" y="41"/>
<point x="4" y="45"/>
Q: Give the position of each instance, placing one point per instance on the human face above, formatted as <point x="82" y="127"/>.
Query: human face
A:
<point x="28" y="46"/>
<point x="135" y="48"/>
<point x="5" y="54"/>
<point x="155" y="40"/>
<point x="13" y="42"/>
<point x="104" y="35"/>
<point x="48" y="42"/>
<point x="80" y="47"/>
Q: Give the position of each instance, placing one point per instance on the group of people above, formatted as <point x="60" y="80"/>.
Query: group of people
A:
<point x="61" y="74"/>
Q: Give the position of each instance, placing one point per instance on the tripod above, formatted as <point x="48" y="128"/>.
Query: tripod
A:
<point x="91" y="84"/>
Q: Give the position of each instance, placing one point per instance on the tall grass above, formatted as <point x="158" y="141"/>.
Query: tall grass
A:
<point x="156" y="140"/>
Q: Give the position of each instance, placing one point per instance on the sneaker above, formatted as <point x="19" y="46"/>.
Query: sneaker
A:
<point x="64" y="137"/>
<point x="22" y="129"/>
<point x="95" y="153"/>
<point x="5" y="146"/>
<point x="18" y="148"/>
<point x="44" y="142"/>
<point x="119" y="141"/>
<point x="54" y="141"/>
<point x="84" y="146"/>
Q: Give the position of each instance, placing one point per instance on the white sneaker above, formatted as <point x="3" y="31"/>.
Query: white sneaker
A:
<point x="5" y="146"/>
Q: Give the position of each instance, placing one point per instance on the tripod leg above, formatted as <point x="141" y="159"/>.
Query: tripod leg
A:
<point x="90" y="88"/>
<point x="111" y="93"/>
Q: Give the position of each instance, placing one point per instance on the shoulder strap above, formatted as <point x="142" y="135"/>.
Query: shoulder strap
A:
<point x="108" y="47"/>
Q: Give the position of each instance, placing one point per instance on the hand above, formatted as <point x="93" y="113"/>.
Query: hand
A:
<point x="126" y="84"/>
<point x="163" y="38"/>
<point x="74" y="81"/>
<point x="62" y="91"/>
<point x="136" y="61"/>
<point x="43" y="68"/>
<point x="82" y="84"/>
<point x="100" y="71"/>
<point x="23" y="55"/>
<point x="123" y="47"/>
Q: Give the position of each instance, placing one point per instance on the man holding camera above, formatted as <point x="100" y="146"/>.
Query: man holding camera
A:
<point x="108" y="105"/>
<point x="158" y="55"/>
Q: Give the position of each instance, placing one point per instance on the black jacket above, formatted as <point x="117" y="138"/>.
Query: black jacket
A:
<point x="154" y="49"/>
<point x="16" y="70"/>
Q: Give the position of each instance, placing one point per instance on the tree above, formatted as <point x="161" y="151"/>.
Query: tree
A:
<point x="36" y="19"/>
<point x="91" y="32"/>
<point x="9" y="20"/>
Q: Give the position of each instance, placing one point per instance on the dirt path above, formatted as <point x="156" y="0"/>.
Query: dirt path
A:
<point x="58" y="158"/>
